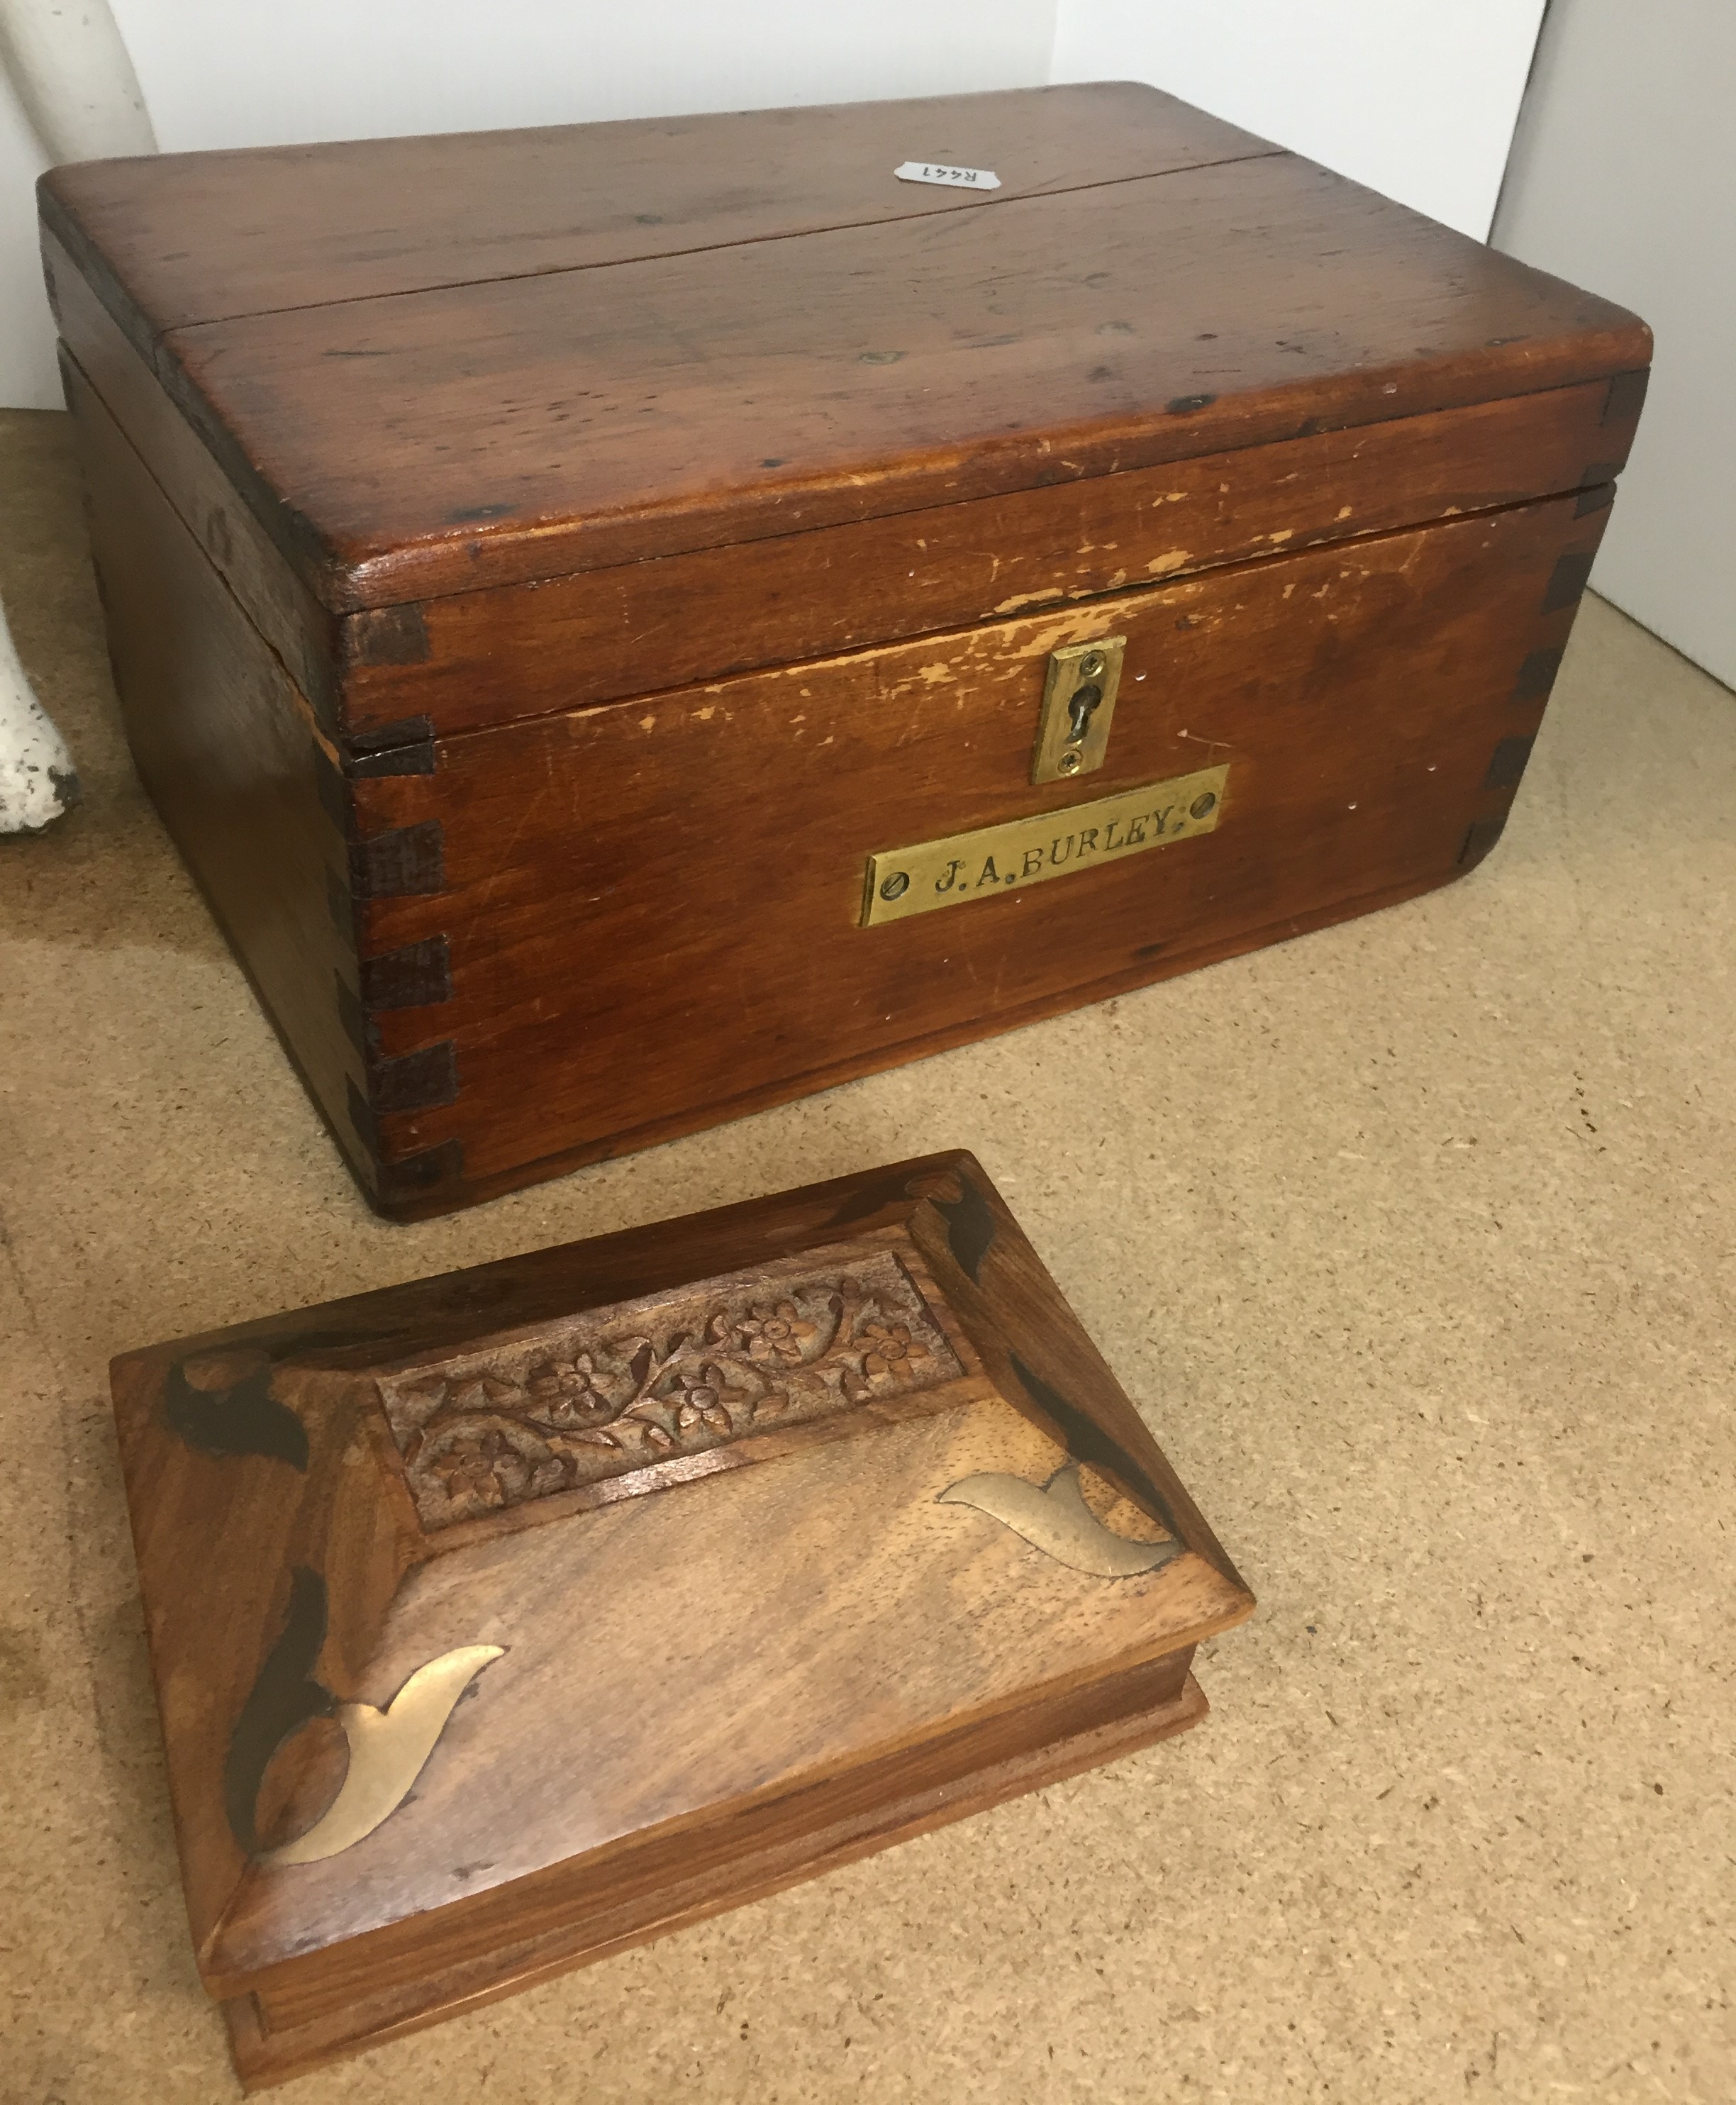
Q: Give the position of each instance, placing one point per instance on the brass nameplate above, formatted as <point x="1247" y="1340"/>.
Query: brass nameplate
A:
<point x="996" y="860"/>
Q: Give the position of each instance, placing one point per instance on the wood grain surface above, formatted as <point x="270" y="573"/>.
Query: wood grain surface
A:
<point x="705" y="1691"/>
<point x="1357" y="772"/>
<point x="445" y="951"/>
<point x="224" y="742"/>
<point x="671" y="402"/>
<point x="273" y="2047"/>
<point x="472" y="659"/>
<point x="303" y="633"/>
<point x="573" y="621"/>
<point x="362" y="218"/>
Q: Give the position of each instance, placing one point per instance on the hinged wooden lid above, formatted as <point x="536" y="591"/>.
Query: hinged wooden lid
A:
<point x="761" y="1528"/>
<point x="431" y="365"/>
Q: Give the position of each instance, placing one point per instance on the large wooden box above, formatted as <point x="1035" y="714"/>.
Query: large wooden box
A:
<point x="584" y="601"/>
<point x="759" y="1540"/>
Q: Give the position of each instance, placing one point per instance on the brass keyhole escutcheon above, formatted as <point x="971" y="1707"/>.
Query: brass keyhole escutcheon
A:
<point x="1072" y="731"/>
<point x="1084" y="700"/>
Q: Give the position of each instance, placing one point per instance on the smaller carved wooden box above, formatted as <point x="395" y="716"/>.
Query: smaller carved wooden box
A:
<point x="504" y="1620"/>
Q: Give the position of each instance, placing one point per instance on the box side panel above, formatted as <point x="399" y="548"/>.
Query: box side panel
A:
<point x="475" y="658"/>
<point x="228" y="749"/>
<point x="652" y="913"/>
<point x="276" y="2037"/>
<point x="291" y="619"/>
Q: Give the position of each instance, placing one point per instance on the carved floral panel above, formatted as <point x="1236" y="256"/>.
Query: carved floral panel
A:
<point x="620" y="1389"/>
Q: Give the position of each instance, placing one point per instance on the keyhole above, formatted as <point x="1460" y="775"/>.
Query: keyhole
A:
<point x="1085" y="700"/>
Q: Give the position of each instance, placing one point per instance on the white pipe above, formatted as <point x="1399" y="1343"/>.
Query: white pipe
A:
<point x="36" y="781"/>
<point x="70" y="64"/>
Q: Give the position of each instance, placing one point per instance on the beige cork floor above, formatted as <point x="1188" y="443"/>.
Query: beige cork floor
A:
<point x="1415" y="1240"/>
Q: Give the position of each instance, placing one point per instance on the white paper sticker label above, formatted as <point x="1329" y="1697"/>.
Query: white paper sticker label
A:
<point x="956" y="179"/>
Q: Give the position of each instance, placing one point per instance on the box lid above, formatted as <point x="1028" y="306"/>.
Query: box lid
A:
<point x="432" y="365"/>
<point x="699" y="1511"/>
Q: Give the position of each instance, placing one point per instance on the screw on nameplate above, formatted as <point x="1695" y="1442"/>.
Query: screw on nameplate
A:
<point x="1001" y="861"/>
<point x="950" y="178"/>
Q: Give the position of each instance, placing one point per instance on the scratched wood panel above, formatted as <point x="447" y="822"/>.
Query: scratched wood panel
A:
<point x="597" y="587"/>
<point x="485" y="657"/>
<point x="361" y="218"/>
<point x="224" y="743"/>
<point x="646" y="407"/>
<point x="472" y="659"/>
<point x="116" y="381"/>
<point x="785" y="1665"/>
<point x="1359" y="762"/>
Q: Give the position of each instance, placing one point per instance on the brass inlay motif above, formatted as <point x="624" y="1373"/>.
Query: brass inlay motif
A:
<point x="1054" y="1518"/>
<point x="388" y="1750"/>
<point x="1078" y="699"/>
<point x="994" y="860"/>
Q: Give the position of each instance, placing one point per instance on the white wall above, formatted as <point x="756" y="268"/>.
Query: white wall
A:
<point x="1624" y="178"/>
<point x="220" y="74"/>
<point x="233" y="73"/>
<point x="26" y="374"/>
<point x="1417" y="98"/>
